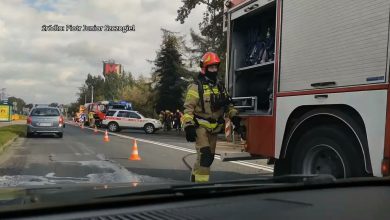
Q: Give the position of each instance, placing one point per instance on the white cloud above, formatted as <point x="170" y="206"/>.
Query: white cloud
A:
<point x="46" y="67"/>
<point x="21" y="82"/>
<point x="65" y="75"/>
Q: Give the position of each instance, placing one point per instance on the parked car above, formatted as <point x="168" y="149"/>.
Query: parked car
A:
<point x="45" y="120"/>
<point x="118" y="119"/>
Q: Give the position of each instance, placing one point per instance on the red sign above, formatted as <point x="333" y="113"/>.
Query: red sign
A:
<point x="109" y="68"/>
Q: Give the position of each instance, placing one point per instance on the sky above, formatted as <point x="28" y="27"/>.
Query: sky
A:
<point x="49" y="66"/>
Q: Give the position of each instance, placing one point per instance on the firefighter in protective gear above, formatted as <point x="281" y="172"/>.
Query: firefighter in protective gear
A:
<point x="91" y="119"/>
<point x="206" y="104"/>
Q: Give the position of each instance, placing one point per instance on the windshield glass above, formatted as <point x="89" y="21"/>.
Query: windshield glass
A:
<point x="110" y="113"/>
<point x="140" y="115"/>
<point x="45" y="112"/>
<point x="192" y="91"/>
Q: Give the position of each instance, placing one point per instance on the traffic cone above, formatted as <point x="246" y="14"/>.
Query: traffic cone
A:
<point x="95" y="130"/>
<point x="106" y="138"/>
<point x="134" y="155"/>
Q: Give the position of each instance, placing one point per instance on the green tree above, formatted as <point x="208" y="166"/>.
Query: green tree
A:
<point x="73" y="108"/>
<point x="85" y="91"/>
<point x="114" y="84"/>
<point x="53" y="104"/>
<point x="19" y="104"/>
<point x="141" y="95"/>
<point x="211" y="38"/>
<point x="97" y="82"/>
<point x="168" y="70"/>
<point x="109" y="88"/>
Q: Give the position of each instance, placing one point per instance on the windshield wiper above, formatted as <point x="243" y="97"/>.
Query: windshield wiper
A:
<point x="224" y="186"/>
<point x="292" y="178"/>
<point x="266" y="181"/>
<point x="242" y="186"/>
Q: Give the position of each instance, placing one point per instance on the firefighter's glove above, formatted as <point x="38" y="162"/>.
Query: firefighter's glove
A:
<point x="190" y="133"/>
<point x="238" y="128"/>
<point x="236" y="121"/>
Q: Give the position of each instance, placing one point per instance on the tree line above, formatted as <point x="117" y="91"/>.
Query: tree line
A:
<point x="165" y="88"/>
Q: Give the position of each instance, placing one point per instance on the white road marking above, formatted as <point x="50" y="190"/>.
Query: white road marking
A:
<point x="83" y="147"/>
<point x="239" y="162"/>
<point x="73" y="149"/>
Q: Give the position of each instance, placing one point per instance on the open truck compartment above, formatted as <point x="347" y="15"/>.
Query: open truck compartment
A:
<point x="252" y="56"/>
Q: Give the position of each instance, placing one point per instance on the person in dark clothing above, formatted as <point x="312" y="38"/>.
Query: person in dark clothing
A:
<point x="167" y="121"/>
<point x="177" y="120"/>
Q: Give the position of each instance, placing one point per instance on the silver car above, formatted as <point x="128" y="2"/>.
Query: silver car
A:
<point x="45" y="120"/>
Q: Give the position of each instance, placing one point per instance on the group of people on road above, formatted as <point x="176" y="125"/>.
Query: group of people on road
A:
<point x="82" y="118"/>
<point x="171" y="120"/>
<point x="86" y="119"/>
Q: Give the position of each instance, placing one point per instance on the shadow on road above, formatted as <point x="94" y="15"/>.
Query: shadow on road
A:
<point x="44" y="136"/>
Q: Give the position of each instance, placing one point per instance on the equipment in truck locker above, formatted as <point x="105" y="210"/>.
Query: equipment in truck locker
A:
<point x="252" y="53"/>
<point x="260" y="51"/>
<point x="269" y="46"/>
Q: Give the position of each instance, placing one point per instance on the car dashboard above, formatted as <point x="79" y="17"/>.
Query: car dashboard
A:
<point x="359" y="202"/>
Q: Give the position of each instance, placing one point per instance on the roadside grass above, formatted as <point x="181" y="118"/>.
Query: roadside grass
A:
<point x="7" y="133"/>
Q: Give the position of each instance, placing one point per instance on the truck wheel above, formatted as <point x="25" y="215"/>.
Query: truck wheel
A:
<point x="113" y="127"/>
<point x="149" y="129"/>
<point x="327" y="150"/>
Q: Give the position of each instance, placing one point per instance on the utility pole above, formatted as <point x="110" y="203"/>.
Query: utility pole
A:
<point x="92" y="95"/>
<point x="3" y="94"/>
<point x="85" y="99"/>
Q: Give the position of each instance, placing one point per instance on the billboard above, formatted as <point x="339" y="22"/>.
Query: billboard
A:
<point x="110" y="68"/>
<point x="5" y="113"/>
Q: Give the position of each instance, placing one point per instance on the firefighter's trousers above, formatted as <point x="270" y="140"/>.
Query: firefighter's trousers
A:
<point x="91" y="122"/>
<point x="206" y="142"/>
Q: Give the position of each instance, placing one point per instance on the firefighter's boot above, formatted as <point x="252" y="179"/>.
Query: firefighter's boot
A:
<point x="201" y="171"/>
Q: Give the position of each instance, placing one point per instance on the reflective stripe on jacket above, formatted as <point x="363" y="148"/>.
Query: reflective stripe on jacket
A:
<point x="193" y="108"/>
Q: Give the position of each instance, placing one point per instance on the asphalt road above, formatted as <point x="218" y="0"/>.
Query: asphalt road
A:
<point x="82" y="156"/>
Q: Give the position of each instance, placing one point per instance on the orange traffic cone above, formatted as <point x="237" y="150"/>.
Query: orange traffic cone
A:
<point x="134" y="155"/>
<point x="95" y="130"/>
<point x="106" y="138"/>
